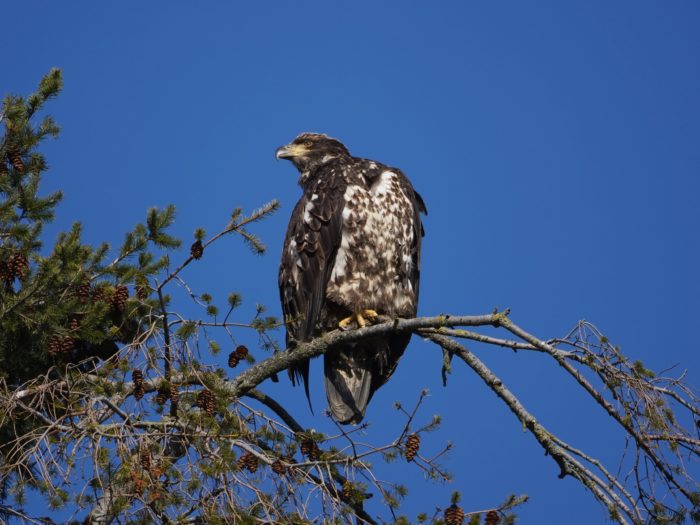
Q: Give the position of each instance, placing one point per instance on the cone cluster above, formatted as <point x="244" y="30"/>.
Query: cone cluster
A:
<point x="137" y="378"/>
<point x="412" y="446"/>
<point x="197" y="250"/>
<point x="492" y="518"/>
<point x="237" y="355"/>
<point x="60" y="345"/>
<point x="205" y="401"/>
<point x="120" y="297"/>
<point x="248" y="461"/>
<point x="454" y="515"/>
<point x="310" y="449"/>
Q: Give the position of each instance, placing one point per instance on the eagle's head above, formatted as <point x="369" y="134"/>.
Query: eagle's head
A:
<point x="310" y="150"/>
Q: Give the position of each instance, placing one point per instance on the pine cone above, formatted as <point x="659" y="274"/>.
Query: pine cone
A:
<point x="162" y="396"/>
<point x="174" y="400"/>
<point x="99" y="294"/>
<point x="197" y="250"/>
<point x="205" y="401"/>
<point x="137" y="378"/>
<point x="82" y="292"/>
<point x="74" y="324"/>
<point x="279" y="468"/>
<point x="492" y="518"/>
<point x="412" y="446"/>
<point x="454" y="515"/>
<point x="174" y="394"/>
<point x="121" y="295"/>
<point x="310" y="449"/>
<point x="18" y="265"/>
<point x="233" y="359"/>
<point x="67" y="344"/>
<point x="248" y="461"/>
<point x="145" y="459"/>
<point x="54" y="346"/>
<point x="241" y="352"/>
<point x="15" y="158"/>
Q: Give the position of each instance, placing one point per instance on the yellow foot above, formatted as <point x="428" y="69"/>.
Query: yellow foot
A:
<point x="360" y="318"/>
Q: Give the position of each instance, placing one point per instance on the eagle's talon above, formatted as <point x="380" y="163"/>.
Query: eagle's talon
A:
<point x="361" y="318"/>
<point x="370" y="314"/>
<point x="344" y="324"/>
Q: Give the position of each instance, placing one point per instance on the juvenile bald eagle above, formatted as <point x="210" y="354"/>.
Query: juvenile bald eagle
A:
<point x="351" y="253"/>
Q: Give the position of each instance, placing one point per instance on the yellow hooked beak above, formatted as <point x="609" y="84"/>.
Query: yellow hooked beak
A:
<point x="290" y="151"/>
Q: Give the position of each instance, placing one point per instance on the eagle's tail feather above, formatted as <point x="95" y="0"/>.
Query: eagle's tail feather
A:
<point x="348" y="385"/>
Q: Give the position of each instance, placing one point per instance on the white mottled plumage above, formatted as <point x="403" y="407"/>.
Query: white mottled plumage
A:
<point x="353" y="244"/>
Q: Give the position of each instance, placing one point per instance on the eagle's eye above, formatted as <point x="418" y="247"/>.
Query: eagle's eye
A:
<point x="308" y="143"/>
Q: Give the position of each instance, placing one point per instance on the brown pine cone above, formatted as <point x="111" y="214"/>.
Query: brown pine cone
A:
<point x="205" y="401"/>
<point x="492" y="518"/>
<point x="248" y="461"/>
<point x="67" y="344"/>
<point x="279" y="468"/>
<point x="233" y="359"/>
<point x="74" y="324"/>
<point x="145" y="458"/>
<point x="137" y="378"/>
<point x="412" y="446"/>
<point x="15" y="158"/>
<point x="241" y="352"/>
<point x="162" y="396"/>
<point x="197" y="250"/>
<point x="210" y="406"/>
<point x="54" y="346"/>
<point x="100" y="294"/>
<point x="310" y="449"/>
<point x="174" y="400"/>
<point x="18" y="265"/>
<point x="454" y="515"/>
<point x="82" y="291"/>
<point x="174" y="393"/>
<point x="121" y="295"/>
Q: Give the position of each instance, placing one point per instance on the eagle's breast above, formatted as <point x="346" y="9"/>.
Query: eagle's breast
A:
<point x="374" y="260"/>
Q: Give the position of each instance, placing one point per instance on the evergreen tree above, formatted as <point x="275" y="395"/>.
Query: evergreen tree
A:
<point x="108" y="407"/>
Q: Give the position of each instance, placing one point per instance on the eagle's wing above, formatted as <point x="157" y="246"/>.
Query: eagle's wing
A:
<point x="398" y="343"/>
<point x="310" y="247"/>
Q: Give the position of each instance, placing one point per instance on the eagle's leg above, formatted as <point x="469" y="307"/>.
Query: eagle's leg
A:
<point x="360" y="318"/>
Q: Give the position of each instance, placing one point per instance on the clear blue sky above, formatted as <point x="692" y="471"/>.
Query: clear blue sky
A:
<point x="556" y="145"/>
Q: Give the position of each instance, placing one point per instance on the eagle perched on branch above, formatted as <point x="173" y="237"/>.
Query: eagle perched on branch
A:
<point x="351" y="253"/>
